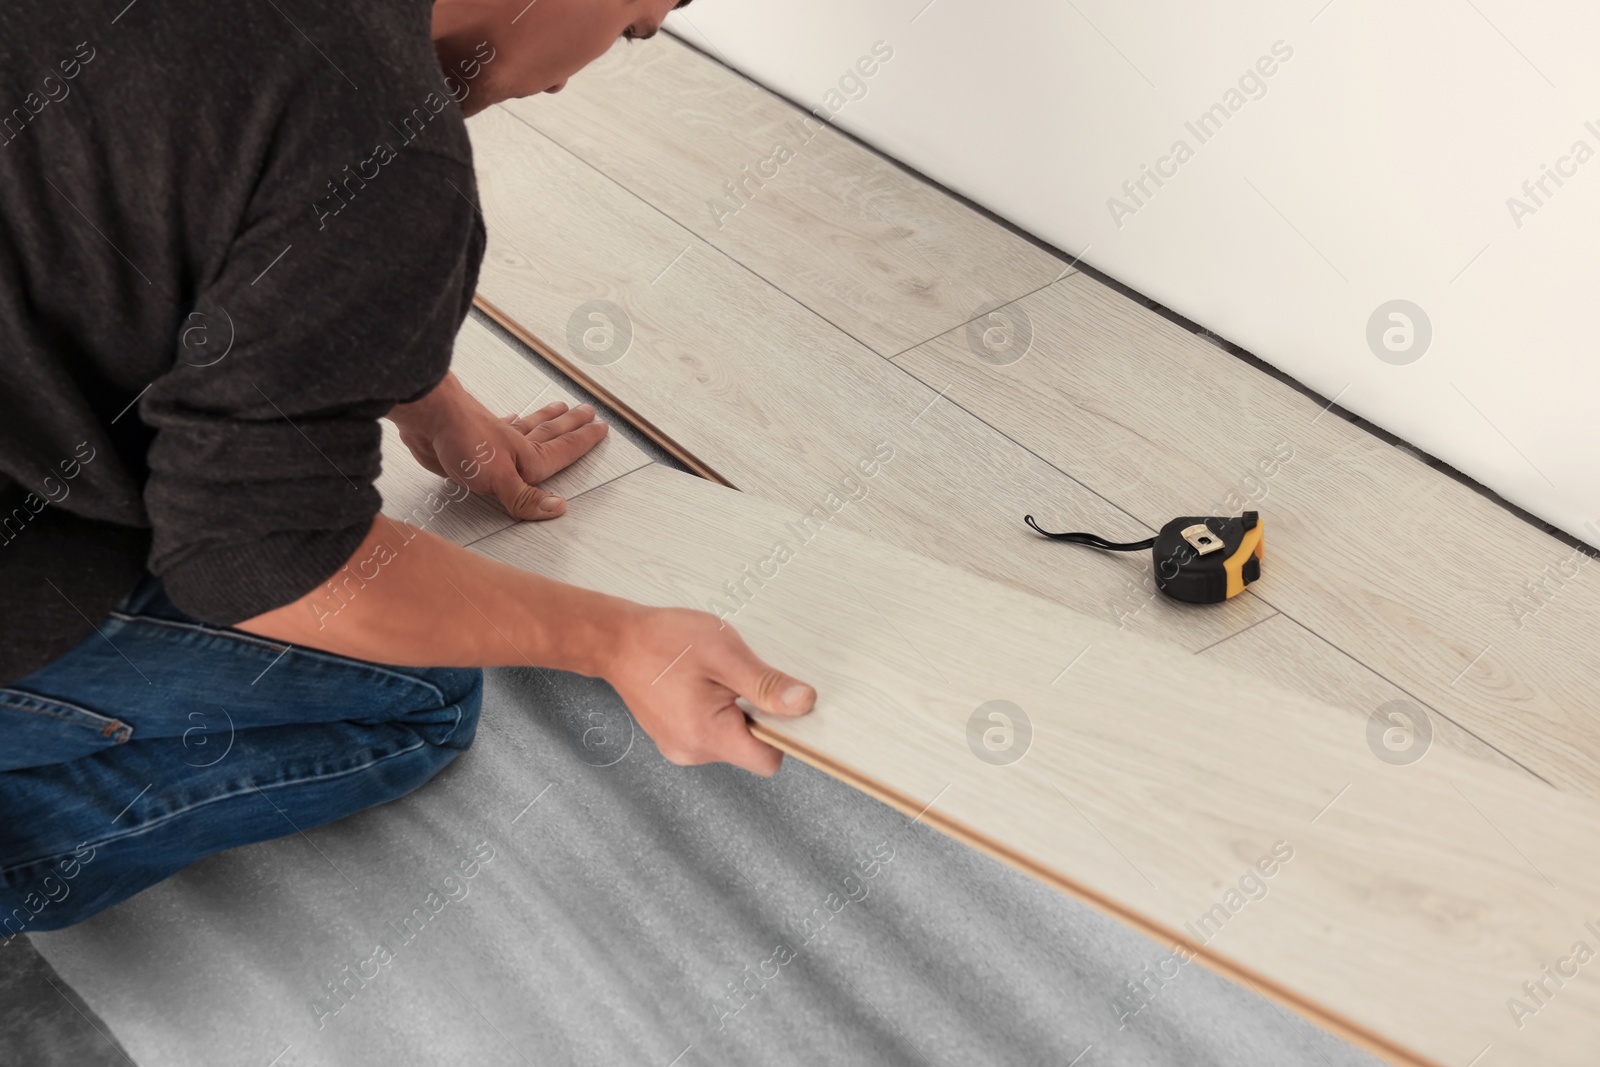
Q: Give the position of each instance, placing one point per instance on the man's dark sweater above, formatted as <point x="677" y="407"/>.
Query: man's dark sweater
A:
<point x="233" y="237"/>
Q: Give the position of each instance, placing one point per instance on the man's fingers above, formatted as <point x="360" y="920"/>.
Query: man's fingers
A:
<point x="768" y="688"/>
<point x="531" y="502"/>
<point x="521" y="500"/>
<point x="732" y="742"/>
<point x="524" y="423"/>
<point x="539" y="430"/>
<point x="429" y="461"/>
<point x="539" y="460"/>
<point x="422" y="451"/>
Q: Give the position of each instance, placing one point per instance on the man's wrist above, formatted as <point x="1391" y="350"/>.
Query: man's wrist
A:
<point x="594" y="631"/>
<point x="428" y="413"/>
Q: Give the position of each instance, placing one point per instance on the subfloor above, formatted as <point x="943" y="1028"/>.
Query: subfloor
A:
<point x="631" y="914"/>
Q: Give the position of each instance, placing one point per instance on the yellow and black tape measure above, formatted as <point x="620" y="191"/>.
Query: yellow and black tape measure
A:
<point x="1198" y="559"/>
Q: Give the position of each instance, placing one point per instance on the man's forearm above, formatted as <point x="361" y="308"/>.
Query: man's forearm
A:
<point x="410" y="598"/>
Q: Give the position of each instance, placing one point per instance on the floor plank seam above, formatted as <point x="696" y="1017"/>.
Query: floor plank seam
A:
<point x="575" y="496"/>
<point x="1065" y="474"/>
<point x="963" y="325"/>
<point x="742" y="265"/>
<point x="698" y="466"/>
<point x="904" y="168"/>
<point x="616" y="403"/>
<point x="1238" y="633"/>
<point x="1427" y="705"/>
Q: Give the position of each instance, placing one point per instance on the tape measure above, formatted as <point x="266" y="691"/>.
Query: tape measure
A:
<point x="1197" y="559"/>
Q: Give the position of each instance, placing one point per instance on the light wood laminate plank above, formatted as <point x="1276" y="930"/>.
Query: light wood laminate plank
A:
<point x="1407" y="904"/>
<point x="879" y="252"/>
<point x="1412" y="573"/>
<point x="777" y="401"/>
<point x="1287" y="654"/>
<point x="506" y="382"/>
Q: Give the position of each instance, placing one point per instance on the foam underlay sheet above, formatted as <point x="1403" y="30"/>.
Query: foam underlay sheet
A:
<point x="1312" y="164"/>
<point x="629" y="911"/>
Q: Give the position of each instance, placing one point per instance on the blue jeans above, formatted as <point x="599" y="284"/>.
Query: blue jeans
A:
<point x="162" y="739"/>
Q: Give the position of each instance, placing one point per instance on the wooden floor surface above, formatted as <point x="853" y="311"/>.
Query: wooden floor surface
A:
<point x="1413" y="574"/>
<point x="1406" y="903"/>
<point x="1387" y="567"/>
<point x="797" y="350"/>
<point x="885" y="257"/>
<point x="780" y="402"/>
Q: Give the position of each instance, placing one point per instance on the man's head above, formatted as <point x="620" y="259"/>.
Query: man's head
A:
<point x="536" y="46"/>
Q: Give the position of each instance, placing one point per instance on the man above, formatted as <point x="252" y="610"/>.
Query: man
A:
<point x="236" y="237"/>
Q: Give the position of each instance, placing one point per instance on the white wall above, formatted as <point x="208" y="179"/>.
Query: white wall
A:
<point x="1375" y="164"/>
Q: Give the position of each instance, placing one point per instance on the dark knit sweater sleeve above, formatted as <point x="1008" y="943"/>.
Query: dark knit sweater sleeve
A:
<point x="324" y="314"/>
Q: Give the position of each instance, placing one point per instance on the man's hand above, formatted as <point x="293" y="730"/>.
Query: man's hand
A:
<point x="679" y="671"/>
<point x="454" y="436"/>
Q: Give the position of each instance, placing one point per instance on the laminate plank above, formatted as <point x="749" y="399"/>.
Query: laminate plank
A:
<point x="1479" y="615"/>
<point x="506" y="382"/>
<point x="879" y="252"/>
<point x="1287" y="654"/>
<point x="1405" y="906"/>
<point x="775" y="400"/>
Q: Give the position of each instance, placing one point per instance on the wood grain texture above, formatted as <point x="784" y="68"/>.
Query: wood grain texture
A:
<point x="882" y="254"/>
<point x="506" y="382"/>
<point x="1287" y="654"/>
<point x="779" y="402"/>
<point x="1409" y="904"/>
<point x="1410" y="572"/>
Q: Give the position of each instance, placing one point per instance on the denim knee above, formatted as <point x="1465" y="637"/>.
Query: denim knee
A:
<point x="462" y="689"/>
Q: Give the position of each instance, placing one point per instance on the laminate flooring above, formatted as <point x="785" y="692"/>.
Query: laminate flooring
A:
<point x="1398" y="904"/>
<point x="1397" y="586"/>
<point x="776" y="400"/>
<point x="1479" y="617"/>
<point x="883" y="256"/>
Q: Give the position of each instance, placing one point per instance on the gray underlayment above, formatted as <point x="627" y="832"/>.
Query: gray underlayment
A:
<point x="632" y="913"/>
